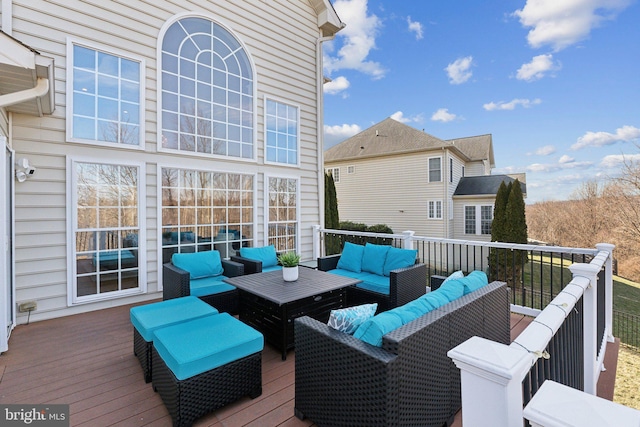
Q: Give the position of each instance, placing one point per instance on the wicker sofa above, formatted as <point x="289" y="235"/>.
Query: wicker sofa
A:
<point x="410" y="380"/>
<point x="404" y="284"/>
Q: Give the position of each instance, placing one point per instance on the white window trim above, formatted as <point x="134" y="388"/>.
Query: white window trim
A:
<point x="160" y="38"/>
<point x="429" y="168"/>
<point x="201" y="165"/>
<point x="266" y="206"/>
<point x="478" y="226"/>
<point x="290" y="104"/>
<point x="435" y="210"/>
<point x="71" y="41"/>
<point x="72" y="198"/>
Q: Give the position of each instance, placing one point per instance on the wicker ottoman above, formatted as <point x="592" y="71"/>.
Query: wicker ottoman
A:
<point x="146" y="319"/>
<point x="203" y="364"/>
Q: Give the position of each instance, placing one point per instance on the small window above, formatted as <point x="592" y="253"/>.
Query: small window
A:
<point x="463" y="171"/>
<point x="486" y="218"/>
<point x="281" y="130"/>
<point x="469" y="220"/>
<point x="351" y="169"/>
<point x="435" y="169"/>
<point x="434" y="209"/>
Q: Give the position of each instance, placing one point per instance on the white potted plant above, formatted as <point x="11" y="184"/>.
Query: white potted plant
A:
<point x="289" y="261"/>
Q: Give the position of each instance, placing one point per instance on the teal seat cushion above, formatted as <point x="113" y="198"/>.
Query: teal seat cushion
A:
<point x="348" y="273"/>
<point x="399" y="258"/>
<point x="351" y="257"/>
<point x="412" y="310"/>
<point x="199" y="264"/>
<point x="348" y="319"/>
<point x="373" y="258"/>
<point x="266" y="254"/>
<point x="375" y="283"/>
<point x="452" y="289"/>
<point x="149" y="317"/>
<point x="272" y="268"/>
<point x="371" y="331"/>
<point x="436" y="299"/>
<point x="193" y="347"/>
<point x="474" y="281"/>
<point x="209" y="286"/>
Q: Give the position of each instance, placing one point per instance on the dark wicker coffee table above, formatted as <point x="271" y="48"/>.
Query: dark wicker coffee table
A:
<point x="269" y="304"/>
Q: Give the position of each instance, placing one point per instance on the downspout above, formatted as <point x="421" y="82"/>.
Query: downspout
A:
<point x="40" y="89"/>
<point x="320" y="122"/>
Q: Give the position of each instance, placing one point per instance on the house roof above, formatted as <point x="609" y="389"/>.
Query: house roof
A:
<point x="484" y="185"/>
<point x="26" y="83"/>
<point x="390" y="137"/>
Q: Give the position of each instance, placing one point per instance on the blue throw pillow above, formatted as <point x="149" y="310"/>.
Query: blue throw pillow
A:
<point x="372" y="330"/>
<point x="474" y="281"/>
<point x="351" y="257"/>
<point x="266" y="254"/>
<point x="199" y="264"/>
<point x="348" y="319"/>
<point x="399" y="258"/>
<point x="374" y="257"/>
<point x="456" y="275"/>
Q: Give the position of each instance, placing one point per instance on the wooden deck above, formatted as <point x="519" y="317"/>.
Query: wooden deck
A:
<point x="87" y="361"/>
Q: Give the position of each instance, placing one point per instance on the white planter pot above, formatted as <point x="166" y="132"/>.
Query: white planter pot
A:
<point x="290" y="274"/>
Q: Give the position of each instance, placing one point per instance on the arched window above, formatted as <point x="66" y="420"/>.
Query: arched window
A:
<point x="207" y="90"/>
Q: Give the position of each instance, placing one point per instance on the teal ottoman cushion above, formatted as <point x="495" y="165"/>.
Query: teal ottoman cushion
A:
<point x="200" y="345"/>
<point x="147" y="318"/>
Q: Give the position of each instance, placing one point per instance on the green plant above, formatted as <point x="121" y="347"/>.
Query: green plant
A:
<point x="289" y="259"/>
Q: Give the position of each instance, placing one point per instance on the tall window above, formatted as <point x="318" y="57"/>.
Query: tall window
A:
<point x="478" y="219"/>
<point x="435" y="169"/>
<point x="283" y="213"/>
<point x="204" y="210"/>
<point x="281" y="121"/>
<point x="104" y="97"/>
<point x="207" y="90"/>
<point x="335" y="173"/>
<point x="434" y="208"/>
<point x="106" y="230"/>
<point x="450" y="170"/>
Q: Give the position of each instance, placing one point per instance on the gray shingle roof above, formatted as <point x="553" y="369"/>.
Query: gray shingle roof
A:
<point x="484" y="185"/>
<point x="392" y="137"/>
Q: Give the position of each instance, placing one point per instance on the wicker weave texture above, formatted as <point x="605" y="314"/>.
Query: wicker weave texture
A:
<point x="189" y="399"/>
<point x="142" y="350"/>
<point x="410" y="381"/>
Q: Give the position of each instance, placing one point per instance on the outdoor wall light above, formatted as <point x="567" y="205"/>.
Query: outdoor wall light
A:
<point x="24" y="170"/>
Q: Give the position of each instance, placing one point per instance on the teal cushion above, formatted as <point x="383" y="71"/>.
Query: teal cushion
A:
<point x="371" y="331"/>
<point x="149" y="317"/>
<point x="374" y="257"/>
<point x="351" y="257"/>
<point x="436" y="299"/>
<point x="348" y="319"/>
<point x="474" y="280"/>
<point x="266" y="254"/>
<point x="209" y="286"/>
<point x="455" y="275"/>
<point x="399" y="258"/>
<point x="197" y="346"/>
<point x="374" y="282"/>
<point x="271" y="268"/>
<point x="199" y="264"/>
<point x="348" y="273"/>
<point x="452" y="289"/>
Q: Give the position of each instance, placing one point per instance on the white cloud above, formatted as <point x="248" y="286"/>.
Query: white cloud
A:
<point x="600" y="139"/>
<point x="526" y="103"/>
<point x="563" y="23"/>
<point x="415" y="27"/>
<point x="617" y="160"/>
<point x="546" y="150"/>
<point x="338" y="133"/>
<point x="399" y="116"/>
<point x="336" y="85"/>
<point x="537" y="68"/>
<point x="459" y="70"/>
<point x="358" y="39"/>
<point x="554" y="167"/>
<point x="443" y="115"/>
<point x="566" y="159"/>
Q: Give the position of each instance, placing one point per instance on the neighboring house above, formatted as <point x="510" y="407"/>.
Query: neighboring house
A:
<point x="152" y="128"/>
<point x="407" y="179"/>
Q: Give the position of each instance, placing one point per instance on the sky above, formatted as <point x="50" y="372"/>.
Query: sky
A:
<point x="555" y="82"/>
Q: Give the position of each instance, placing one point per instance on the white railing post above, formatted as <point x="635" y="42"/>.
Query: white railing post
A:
<point x="590" y="319"/>
<point x="491" y="376"/>
<point x="407" y="242"/>
<point x="608" y="283"/>
<point x="316" y="241"/>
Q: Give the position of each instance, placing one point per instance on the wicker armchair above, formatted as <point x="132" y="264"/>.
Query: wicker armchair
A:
<point x="405" y="285"/>
<point x="341" y="380"/>
<point x="177" y="283"/>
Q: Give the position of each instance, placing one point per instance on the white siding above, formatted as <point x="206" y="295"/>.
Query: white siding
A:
<point x="475" y="169"/>
<point x="280" y="38"/>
